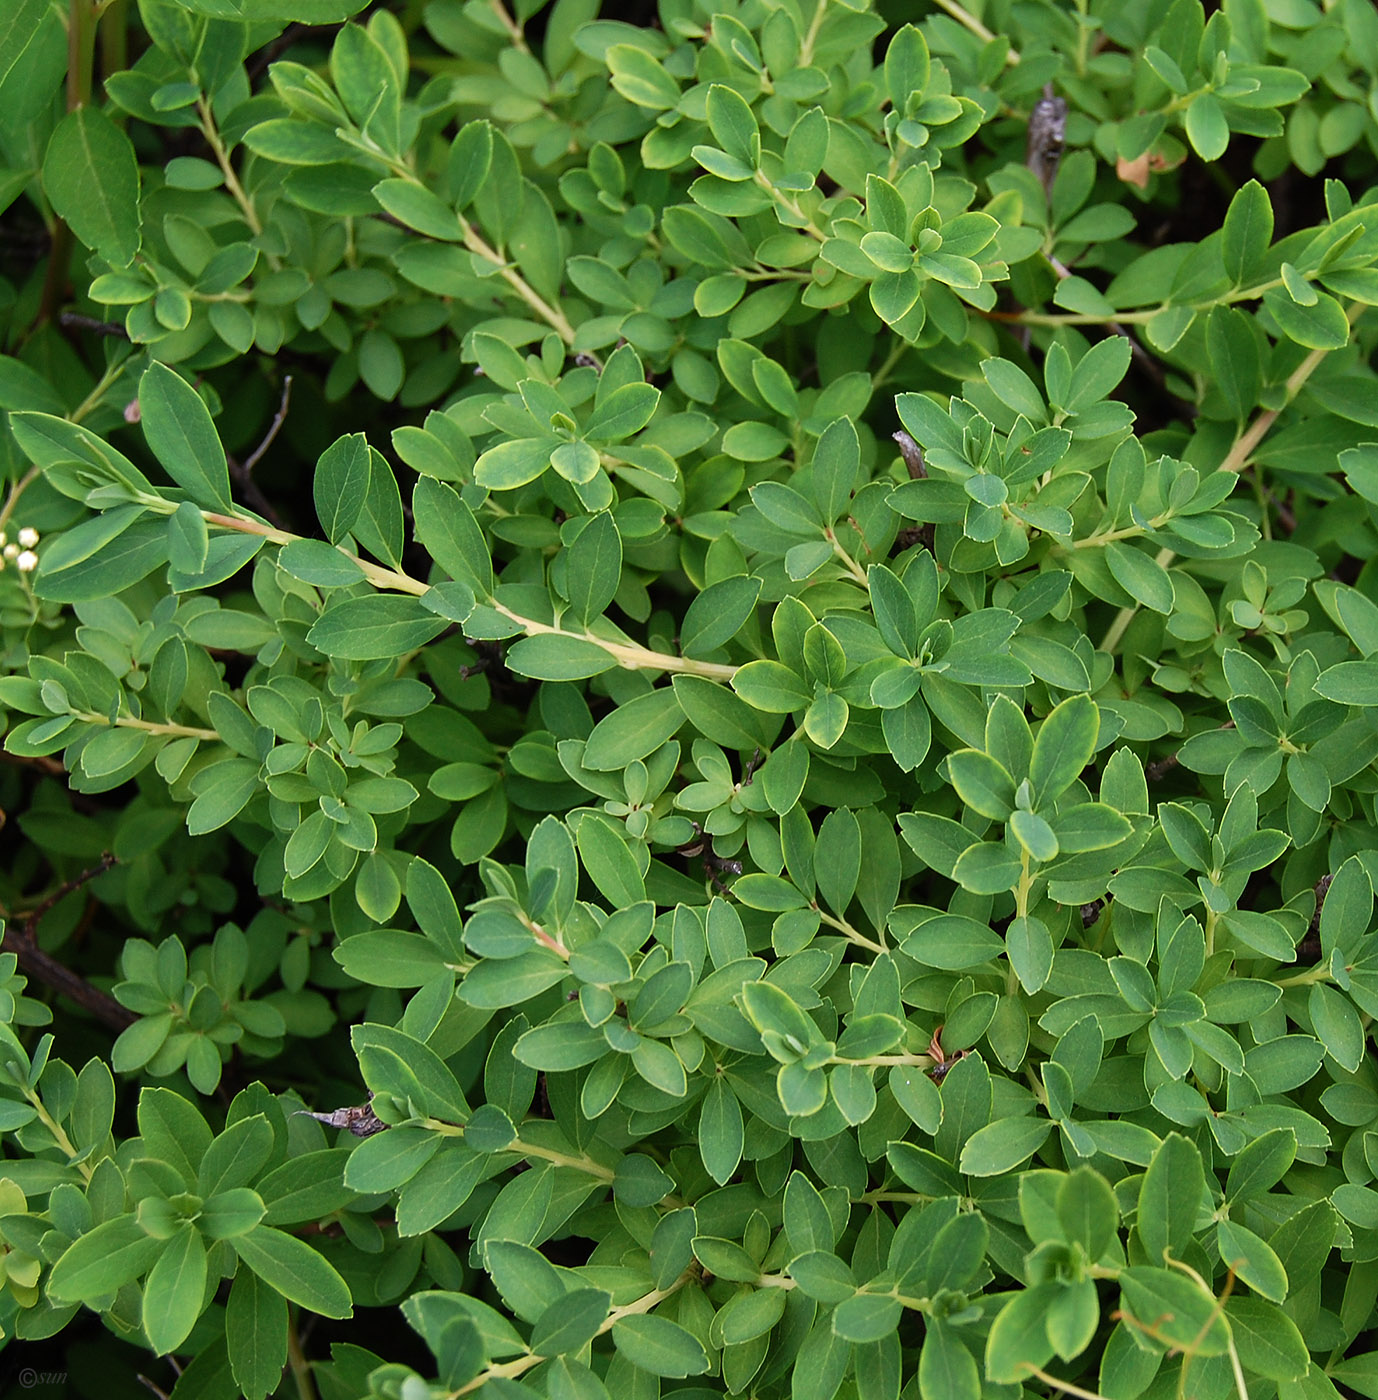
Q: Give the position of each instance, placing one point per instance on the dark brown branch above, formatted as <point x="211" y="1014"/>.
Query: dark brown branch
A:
<point x="1311" y="948"/>
<point x="36" y="962"/>
<point x="71" y="320"/>
<point x="242" y="472"/>
<point x="280" y="417"/>
<point x="22" y="942"/>
<point x="912" y="454"/>
<point x="67" y="887"/>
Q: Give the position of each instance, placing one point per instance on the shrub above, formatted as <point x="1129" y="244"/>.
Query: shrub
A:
<point x="788" y="808"/>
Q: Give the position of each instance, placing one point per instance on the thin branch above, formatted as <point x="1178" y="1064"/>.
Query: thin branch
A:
<point x="969" y="21"/>
<point x="252" y="460"/>
<point x="912" y="454"/>
<point x="1066" y="1387"/>
<point x="32" y="916"/>
<point x="71" y="320"/>
<point x="243" y="471"/>
<point x="21" y="941"/>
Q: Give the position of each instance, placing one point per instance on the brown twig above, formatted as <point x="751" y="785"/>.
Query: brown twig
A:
<point x="67" y="887"/>
<point x="71" y="320"/>
<point x="280" y="417"/>
<point x="1310" y="948"/>
<point x="21" y="941"/>
<point x="914" y="465"/>
<point x="912" y="454"/>
<point x="42" y="762"/>
<point x="243" y="471"/>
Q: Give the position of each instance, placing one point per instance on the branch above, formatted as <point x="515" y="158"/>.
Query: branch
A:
<point x="243" y="471"/>
<point x="22" y="943"/>
<point x="71" y="320"/>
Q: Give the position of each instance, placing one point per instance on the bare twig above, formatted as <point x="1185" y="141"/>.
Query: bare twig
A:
<point x="912" y="454"/>
<point x="243" y="471"/>
<point x="20" y="940"/>
<point x="252" y="460"/>
<point x="67" y="887"/>
<point x="1310" y="948"/>
<point x="70" y="320"/>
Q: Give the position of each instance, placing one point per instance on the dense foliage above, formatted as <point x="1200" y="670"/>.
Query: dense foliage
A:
<point x="788" y="809"/>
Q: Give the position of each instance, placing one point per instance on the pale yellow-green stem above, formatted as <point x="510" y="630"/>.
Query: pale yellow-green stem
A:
<point x="56" y="1129"/>
<point x="298" y="1363"/>
<point x="853" y="935"/>
<point x="1235" y="460"/>
<point x="879" y="1061"/>
<point x="509" y="1370"/>
<point x="969" y="21"/>
<point x="181" y="731"/>
<point x="630" y="655"/>
<point x="1066" y="1387"/>
<point x="237" y="192"/>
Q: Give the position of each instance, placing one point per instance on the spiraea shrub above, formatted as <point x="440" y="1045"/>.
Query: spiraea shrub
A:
<point x="691" y="699"/>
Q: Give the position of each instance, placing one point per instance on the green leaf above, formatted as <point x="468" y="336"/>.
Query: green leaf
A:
<point x="256" y="1334"/>
<point x="182" y="437"/>
<point x="718" y="614"/>
<point x="568" y="1323"/>
<point x="733" y="125"/>
<point x="949" y="941"/>
<point x="947" y="1370"/>
<point x="634" y="730"/>
<point x="772" y="687"/>
<point x="594" y="567"/>
<point x="1233" y="349"/>
<point x="103" y="1261"/>
<point x="1018" y="1338"/>
<point x="1322" y="326"/>
<point x="1064" y="745"/>
<point x="1207" y="129"/>
<point x="1350" y="683"/>
<point x="340" y="485"/>
<point x="1252" y="1260"/>
<point x="982" y="783"/>
<point x="1261" y="1164"/>
<point x="836" y="463"/>
<point x="866" y="1317"/>
<point x="295" y="1270"/>
<point x="1267" y="1340"/>
<point x="610" y="863"/>
<point x="174" y="1291"/>
<point x="446" y="527"/>
<point x="721" y="1131"/>
<point x="1087" y="1211"/>
<point x="1248" y="231"/>
<point x="91" y="177"/>
<point x="1180" y="1311"/>
<point x="662" y="1347"/>
<point x="1142" y="577"/>
<point x="134" y="549"/>
<point x="556" y="658"/>
<point x="1001" y="1146"/>
<point x="1170" y="1198"/>
<point x="375" y="626"/>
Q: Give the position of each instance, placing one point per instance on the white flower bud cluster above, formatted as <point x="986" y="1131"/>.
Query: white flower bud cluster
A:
<point x="21" y="552"/>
